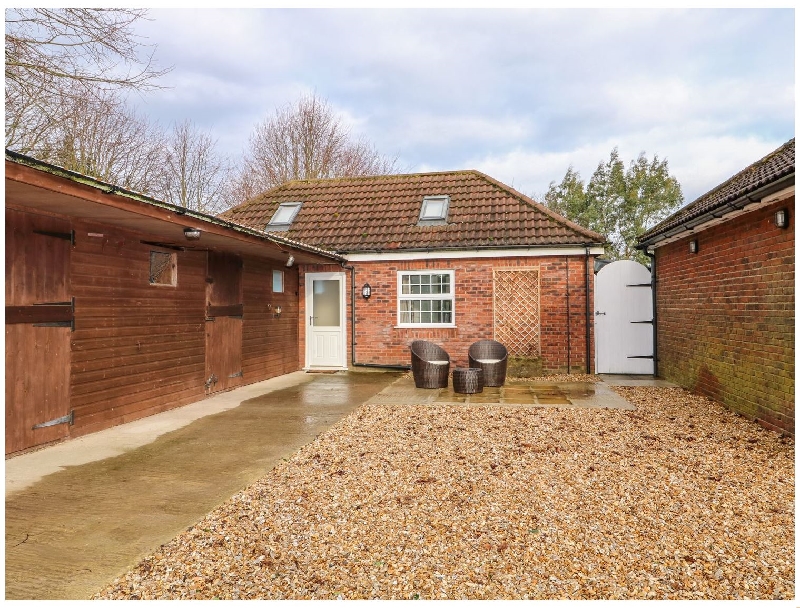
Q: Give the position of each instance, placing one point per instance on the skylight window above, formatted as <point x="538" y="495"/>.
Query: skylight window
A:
<point x="284" y="216"/>
<point x="434" y="209"/>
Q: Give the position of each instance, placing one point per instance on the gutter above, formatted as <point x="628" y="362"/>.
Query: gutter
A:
<point x="717" y="212"/>
<point x="353" y="327"/>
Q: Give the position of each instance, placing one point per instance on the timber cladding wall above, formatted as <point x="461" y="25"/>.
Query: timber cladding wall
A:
<point x="562" y="332"/>
<point x="137" y="348"/>
<point x="726" y="316"/>
<point x="270" y="345"/>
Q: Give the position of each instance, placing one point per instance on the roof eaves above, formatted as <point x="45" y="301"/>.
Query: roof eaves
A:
<point x="695" y="213"/>
<point x="108" y="188"/>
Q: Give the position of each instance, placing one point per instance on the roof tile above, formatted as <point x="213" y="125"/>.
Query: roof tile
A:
<point x="380" y="213"/>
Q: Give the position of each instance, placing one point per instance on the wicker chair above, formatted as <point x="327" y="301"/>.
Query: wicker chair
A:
<point x="492" y="358"/>
<point x="430" y="364"/>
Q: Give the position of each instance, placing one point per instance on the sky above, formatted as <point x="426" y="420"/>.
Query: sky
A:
<point x="518" y="94"/>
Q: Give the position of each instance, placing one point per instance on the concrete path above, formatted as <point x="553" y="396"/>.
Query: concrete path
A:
<point x="80" y="513"/>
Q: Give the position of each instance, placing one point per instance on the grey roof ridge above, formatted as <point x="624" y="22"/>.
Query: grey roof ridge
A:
<point x="108" y="188"/>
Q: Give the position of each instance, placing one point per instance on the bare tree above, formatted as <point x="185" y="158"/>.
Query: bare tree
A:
<point x="100" y="136"/>
<point x="86" y="52"/>
<point x="195" y="175"/>
<point x="305" y="140"/>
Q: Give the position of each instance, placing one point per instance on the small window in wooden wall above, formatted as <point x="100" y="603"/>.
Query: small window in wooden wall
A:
<point x="277" y="281"/>
<point x="163" y="268"/>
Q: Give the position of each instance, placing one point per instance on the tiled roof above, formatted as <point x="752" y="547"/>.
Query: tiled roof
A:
<point x="770" y="169"/>
<point x="381" y="213"/>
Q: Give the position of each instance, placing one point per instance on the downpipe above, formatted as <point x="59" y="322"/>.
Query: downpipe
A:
<point x="588" y="312"/>
<point x="353" y="299"/>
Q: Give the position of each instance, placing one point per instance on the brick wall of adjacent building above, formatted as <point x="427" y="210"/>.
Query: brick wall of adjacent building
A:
<point x="380" y="342"/>
<point x="726" y="315"/>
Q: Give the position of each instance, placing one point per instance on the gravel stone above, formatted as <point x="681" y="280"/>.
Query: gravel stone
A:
<point x="679" y="499"/>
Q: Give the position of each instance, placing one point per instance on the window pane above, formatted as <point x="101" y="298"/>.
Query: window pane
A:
<point x="285" y="213"/>
<point x="162" y="268"/>
<point x="277" y="281"/>
<point x="325" y="303"/>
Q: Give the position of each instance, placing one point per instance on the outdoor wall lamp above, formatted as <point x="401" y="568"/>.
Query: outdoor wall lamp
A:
<point x="191" y="234"/>
<point x="782" y="218"/>
<point x="693" y="246"/>
<point x="290" y="261"/>
<point x="278" y="311"/>
<point x="366" y="291"/>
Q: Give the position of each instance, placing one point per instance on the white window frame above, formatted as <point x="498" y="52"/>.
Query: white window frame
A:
<point x="404" y="297"/>
<point x="275" y="275"/>
<point x="295" y="209"/>
<point x="444" y="200"/>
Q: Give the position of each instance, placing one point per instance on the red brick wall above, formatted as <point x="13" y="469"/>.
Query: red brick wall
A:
<point x="379" y="341"/>
<point x="726" y="315"/>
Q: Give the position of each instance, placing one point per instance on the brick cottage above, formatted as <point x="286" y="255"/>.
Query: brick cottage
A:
<point x="451" y="257"/>
<point x="724" y="269"/>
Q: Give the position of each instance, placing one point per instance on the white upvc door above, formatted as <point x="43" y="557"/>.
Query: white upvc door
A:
<point x="326" y="328"/>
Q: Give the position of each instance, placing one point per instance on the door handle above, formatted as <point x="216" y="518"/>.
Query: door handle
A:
<point x="597" y="313"/>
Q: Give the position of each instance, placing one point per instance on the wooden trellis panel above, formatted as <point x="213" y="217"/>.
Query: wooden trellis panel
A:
<point x="516" y="311"/>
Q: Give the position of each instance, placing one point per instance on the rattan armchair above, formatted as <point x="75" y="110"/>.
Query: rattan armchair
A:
<point x="492" y="358"/>
<point x="430" y="364"/>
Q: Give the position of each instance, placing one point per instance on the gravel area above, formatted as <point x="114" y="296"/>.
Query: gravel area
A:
<point x="680" y="499"/>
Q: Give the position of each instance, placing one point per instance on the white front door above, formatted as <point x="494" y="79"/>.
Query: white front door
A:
<point x="326" y="345"/>
<point x="623" y="319"/>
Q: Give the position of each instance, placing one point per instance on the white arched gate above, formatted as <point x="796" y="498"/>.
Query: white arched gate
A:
<point x="623" y="319"/>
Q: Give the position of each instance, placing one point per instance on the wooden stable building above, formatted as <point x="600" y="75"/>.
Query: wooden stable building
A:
<point x="119" y="306"/>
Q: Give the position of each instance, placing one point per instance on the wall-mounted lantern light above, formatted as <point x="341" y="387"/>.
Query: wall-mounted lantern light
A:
<point x="191" y="234"/>
<point x="278" y="311"/>
<point x="693" y="246"/>
<point x="290" y="261"/>
<point x="366" y="291"/>
<point x="782" y="218"/>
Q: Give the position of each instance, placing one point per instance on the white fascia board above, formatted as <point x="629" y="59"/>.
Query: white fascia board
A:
<point x="769" y="200"/>
<point x="460" y="254"/>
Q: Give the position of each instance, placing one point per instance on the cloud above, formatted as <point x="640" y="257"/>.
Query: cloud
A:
<point x="520" y="94"/>
<point x="699" y="163"/>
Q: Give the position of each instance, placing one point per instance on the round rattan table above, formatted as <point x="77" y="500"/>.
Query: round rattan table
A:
<point x="468" y="380"/>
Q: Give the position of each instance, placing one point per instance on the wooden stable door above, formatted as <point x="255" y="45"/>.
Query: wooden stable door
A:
<point x="224" y="312"/>
<point x="39" y="322"/>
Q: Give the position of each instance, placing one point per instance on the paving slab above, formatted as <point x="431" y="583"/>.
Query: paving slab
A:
<point x="80" y="513"/>
<point x="516" y="393"/>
